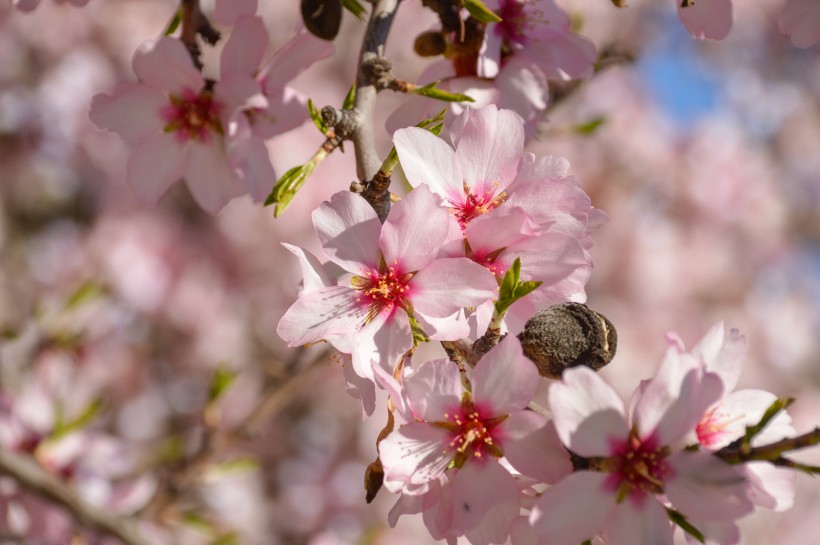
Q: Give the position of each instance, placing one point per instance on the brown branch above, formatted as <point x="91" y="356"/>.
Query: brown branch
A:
<point x="369" y="81"/>
<point x="195" y="23"/>
<point x="36" y="479"/>
<point x="737" y="455"/>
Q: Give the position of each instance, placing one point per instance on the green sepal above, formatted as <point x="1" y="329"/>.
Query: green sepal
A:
<point x="350" y="97"/>
<point x="174" y="23"/>
<point x="481" y="12"/>
<point x="419" y="336"/>
<point x="678" y="518"/>
<point x="287" y="186"/>
<point x="316" y="117"/>
<point x="85" y="293"/>
<point x="590" y="126"/>
<point x="431" y="91"/>
<point x="354" y="7"/>
<point x="512" y="289"/>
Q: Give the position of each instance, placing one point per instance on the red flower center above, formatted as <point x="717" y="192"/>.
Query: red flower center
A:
<point x="193" y="116"/>
<point x="472" y="432"/>
<point x="386" y="288"/>
<point x="477" y="204"/>
<point x="638" y="468"/>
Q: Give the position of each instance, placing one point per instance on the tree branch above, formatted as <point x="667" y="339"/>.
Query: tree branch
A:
<point x="771" y="452"/>
<point x="39" y="481"/>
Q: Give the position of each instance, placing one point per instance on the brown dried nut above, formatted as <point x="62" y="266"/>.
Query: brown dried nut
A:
<point x="429" y="44"/>
<point x="568" y="335"/>
<point x="322" y="17"/>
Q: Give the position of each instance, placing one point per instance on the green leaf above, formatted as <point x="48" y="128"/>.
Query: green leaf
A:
<point x="349" y="98"/>
<point x="85" y="293"/>
<point x="481" y="12"/>
<point x="62" y="428"/>
<point x="678" y="518"/>
<point x="222" y="379"/>
<point x="237" y="465"/>
<point x="354" y="7"/>
<point x="288" y="185"/>
<point x="590" y="126"/>
<point x="419" y="336"/>
<point x="316" y="117"/>
<point x="173" y="24"/>
<point x="230" y="538"/>
<point x="431" y="91"/>
<point x="512" y="289"/>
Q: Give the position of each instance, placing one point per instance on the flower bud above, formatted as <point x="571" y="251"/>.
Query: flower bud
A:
<point x="429" y="44"/>
<point x="322" y="17"/>
<point x="568" y="335"/>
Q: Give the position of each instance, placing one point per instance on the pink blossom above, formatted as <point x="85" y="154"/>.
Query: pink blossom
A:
<point x="258" y="103"/>
<point x="393" y="273"/>
<point x="538" y="32"/>
<point x="800" y="20"/>
<point x="626" y="501"/>
<point x="710" y="19"/>
<point x="175" y="121"/>
<point x="465" y="434"/>
<point x="227" y="12"/>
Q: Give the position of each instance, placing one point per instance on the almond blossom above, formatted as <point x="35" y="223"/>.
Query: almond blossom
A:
<point x="449" y="451"/>
<point x="392" y="275"/>
<point x="641" y="471"/>
<point x="800" y="20"/>
<point x="706" y="20"/>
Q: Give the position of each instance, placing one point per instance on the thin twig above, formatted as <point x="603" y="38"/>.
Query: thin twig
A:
<point x="771" y="452"/>
<point x="38" y="480"/>
<point x="195" y="23"/>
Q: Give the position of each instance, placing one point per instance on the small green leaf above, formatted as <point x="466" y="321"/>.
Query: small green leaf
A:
<point x="62" y="428"/>
<point x="349" y="98"/>
<point x="230" y="538"/>
<point x="419" y="336"/>
<point x="222" y="379"/>
<point x="197" y="521"/>
<point x="590" y="126"/>
<point x="287" y="186"/>
<point x="525" y="288"/>
<point x="85" y="293"/>
<point x="481" y="12"/>
<point x="512" y="289"/>
<point x="678" y="518"/>
<point x="316" y="117"/>
<point x="237" y="465"/>
<point x="431" y="91"/>
<point x="173" y="24"/>
<point x="354" y="7"/>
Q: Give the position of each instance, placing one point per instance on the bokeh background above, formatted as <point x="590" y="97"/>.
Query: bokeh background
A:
<point x="148" y="334"/>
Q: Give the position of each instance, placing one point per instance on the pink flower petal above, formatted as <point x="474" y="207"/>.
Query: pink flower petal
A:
<point x="531" y="445"/>
<point x="427" y="159"/>
<point x="504" y="380"/>
<point x="710" y="19"/>
<point x="728" y="418"/>
<point x="359" y="388"/>
<point x="723" y="354"/>
<point x="455" y="326"/>
<point x="245" y="47"/>
<point x="286" y="111"/>
<point x="489" y="149"/>
<point x="314" y="276"/>
<point x="450" y="284"/>
<point x="645" y="523"/>
<point x="434" y="390"/>
<point x="414" y="230"/>
<point x="588" y="413"/>
<point x="503" y="227"/>
<point x="226" y="12"/>
<point x="562" y="55"/>
<point x="415" y="453"/>
<point x="209" y="176"/>
<point x="133" y="111"/>
<point x="770" y="486"/>
<point x="166" y="65"/>
<point x="349" y="230"/>
<point x="384" y="340"/>
<point x="574" y="510"/>
<point x="489" y="56"/>
<point x="523" y="88"/>
<point x="484" y="518"/>
<point x="156" y="164"/>
<point x="257" y="170"/>
<point x="800" y="19"/>
<point x="319" y="313"/>
<point x="293" y="57"/>
<point x="551" y="258"/>
<point x="704" y="487"/>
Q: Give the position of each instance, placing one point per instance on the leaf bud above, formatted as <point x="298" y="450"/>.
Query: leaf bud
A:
<point x="322" y="17"/>
<point x="429" y="44"/>
<point x="568" y="335"/>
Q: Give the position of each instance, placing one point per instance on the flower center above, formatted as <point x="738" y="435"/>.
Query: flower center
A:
<point x="472" y="432"/>
<point x="477" y="204"/>
<point x="638" y="468"/>
<point x="713" y="426"/>
<point x="386" y="288"/>
<point x="193" y="116"/>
